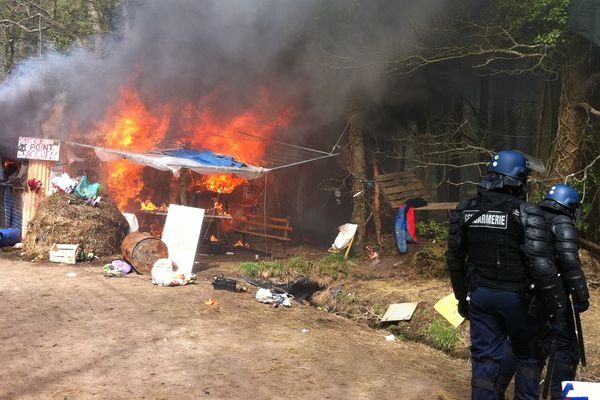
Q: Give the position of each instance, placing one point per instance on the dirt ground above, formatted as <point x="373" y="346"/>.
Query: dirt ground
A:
<point x="91" y="337"/>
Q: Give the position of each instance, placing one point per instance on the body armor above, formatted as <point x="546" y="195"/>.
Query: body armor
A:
<point x="566" y="248"/>
<point x="505" y="241"/>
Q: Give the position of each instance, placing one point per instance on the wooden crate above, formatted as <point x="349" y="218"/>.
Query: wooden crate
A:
<point x="65" y="253"/>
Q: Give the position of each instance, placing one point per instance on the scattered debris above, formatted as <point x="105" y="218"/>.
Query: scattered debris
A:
<point x="390" y="338"/>
<point x="164" y="273"/>
<point x="72" y="274"/>
<point x="211" y="302"/>
<point x="229" y="253"/>
<point x="448" y="308"/>
<point x="116" y="268"/>
<point x="399" y="312"/>
<point x="304" y="330"/>
<point x="335" y="292"/>
<point x="221" y="283"/>
<point x="266" y="296"/>
<point x="18" y="245"/>
<point x="373" y="255"/>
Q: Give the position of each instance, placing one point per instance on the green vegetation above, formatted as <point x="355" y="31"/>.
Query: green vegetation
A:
<point x="331" y="265"/>
<point x="378" y="310"/>
<point x="442" y="336"/>
<point x="431" y="229"/>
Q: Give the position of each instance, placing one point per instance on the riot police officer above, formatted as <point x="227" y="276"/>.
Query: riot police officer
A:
<point x="498" y="245"/>
<point x="559" y="207"/>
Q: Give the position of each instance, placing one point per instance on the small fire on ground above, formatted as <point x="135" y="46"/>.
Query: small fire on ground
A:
<point x="213" y="238"/>
<point x="239" y="243"/>
<point x="218" y="208"/>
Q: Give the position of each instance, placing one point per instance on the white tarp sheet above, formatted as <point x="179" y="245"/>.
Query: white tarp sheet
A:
<point x="173" y="164"/>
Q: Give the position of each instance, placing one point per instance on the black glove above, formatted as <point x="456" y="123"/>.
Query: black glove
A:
<point x="463" y="309"/>
<point x="581" y="306"/>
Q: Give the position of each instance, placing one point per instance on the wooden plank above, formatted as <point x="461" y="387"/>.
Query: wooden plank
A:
<point x="397" y="182"/>
<point x="395" y="203"/>
<point x="404" y="188"/>
<point x="254" y="233"/>
<point x="261" y="218"/>
<point x="407" y="195"/>
<point x="281" y="227"/>
<point x="439" y="206"/>
<point x="395" y="175"/>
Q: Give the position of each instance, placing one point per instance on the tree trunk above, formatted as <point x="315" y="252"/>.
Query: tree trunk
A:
<point x="184" y="179"/>
<point x="376" y="202"/>
<point x="567" y="150"/>
<point x="484" y="104"/>
<point x="357" y="167"/>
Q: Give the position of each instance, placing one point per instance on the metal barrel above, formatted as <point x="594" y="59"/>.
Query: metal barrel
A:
<point x="9" y="236"/>
<point x="142" y="250"/>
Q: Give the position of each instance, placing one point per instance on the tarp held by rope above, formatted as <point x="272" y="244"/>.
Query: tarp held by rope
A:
<point x="200" y="161"/>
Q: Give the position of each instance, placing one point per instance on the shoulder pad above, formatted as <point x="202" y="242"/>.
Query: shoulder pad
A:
<point x="532" y="217"/>
<point x="530" y="209"/>
<point x="564" y="229"/>
<point x="562" y="219"/>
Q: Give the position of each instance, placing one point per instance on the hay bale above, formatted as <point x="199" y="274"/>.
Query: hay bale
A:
<point x="62" y="218"/>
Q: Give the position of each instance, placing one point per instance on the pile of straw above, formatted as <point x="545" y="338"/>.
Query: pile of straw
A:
<point x="64" y="219"/>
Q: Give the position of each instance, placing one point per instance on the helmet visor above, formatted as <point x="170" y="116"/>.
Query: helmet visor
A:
<point x="535" y="164"/>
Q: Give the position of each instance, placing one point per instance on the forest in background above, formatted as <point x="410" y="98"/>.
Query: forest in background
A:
<point x="478" y="76"/>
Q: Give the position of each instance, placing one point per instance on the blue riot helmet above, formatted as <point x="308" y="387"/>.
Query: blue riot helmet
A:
<point x="563" y="198"/>
<point x="507" y="168"/>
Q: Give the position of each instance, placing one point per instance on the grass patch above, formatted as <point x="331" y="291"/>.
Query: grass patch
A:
<point x="442" y="336"/>
<point x="378" y="310"/>
<point x="434" y="230"/>
<point x="331" y="266"/>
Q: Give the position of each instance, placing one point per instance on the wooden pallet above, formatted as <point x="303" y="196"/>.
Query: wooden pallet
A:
<point x="401" y="186"/>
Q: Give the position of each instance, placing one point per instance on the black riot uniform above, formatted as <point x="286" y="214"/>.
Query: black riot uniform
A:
<point x="558" y="208"/>
<point x="566" y="246"/>
<point x="497" y="245"/>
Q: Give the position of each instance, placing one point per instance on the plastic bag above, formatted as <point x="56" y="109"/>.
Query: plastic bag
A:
<point x="164" y="273"/>
<point x="87" y="190"/>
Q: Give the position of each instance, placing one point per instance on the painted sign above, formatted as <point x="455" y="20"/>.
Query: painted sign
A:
<point x="181" y="235"/>
<point x="38" y="149"/>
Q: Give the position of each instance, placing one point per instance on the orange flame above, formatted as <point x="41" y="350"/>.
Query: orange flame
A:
<point x="224" y="183"/>
<point x="239" y="243"/>
<point x="213" y="238"/>
<point x="134" y="125"/>
<point x="148" y="205"/>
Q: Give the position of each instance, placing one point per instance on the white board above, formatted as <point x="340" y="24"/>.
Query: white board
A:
<point x="181" y="235"/>
<point x="38" y="149"/>
<point x="399" y="312"/>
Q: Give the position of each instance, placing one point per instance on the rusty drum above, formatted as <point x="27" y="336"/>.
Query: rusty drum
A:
<point x="142" y="250"/>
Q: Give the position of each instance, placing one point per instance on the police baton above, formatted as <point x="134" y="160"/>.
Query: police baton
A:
<point x="579" y="336"/>
<point x="549" y="368"/>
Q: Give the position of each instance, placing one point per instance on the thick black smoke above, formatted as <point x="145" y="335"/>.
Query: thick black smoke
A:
<point x="312" y="54"/>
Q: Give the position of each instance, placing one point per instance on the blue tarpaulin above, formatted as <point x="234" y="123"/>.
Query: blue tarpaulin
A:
<point x="205" y="157"/>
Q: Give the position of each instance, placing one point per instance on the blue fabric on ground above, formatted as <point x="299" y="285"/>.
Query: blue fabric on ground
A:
<point x="205" y="157"/>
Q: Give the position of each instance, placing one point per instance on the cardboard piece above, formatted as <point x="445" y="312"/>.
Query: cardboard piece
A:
<point x="448" y="308"/>
<point x="399" y="312"/>
<point x="181" y="235"/>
